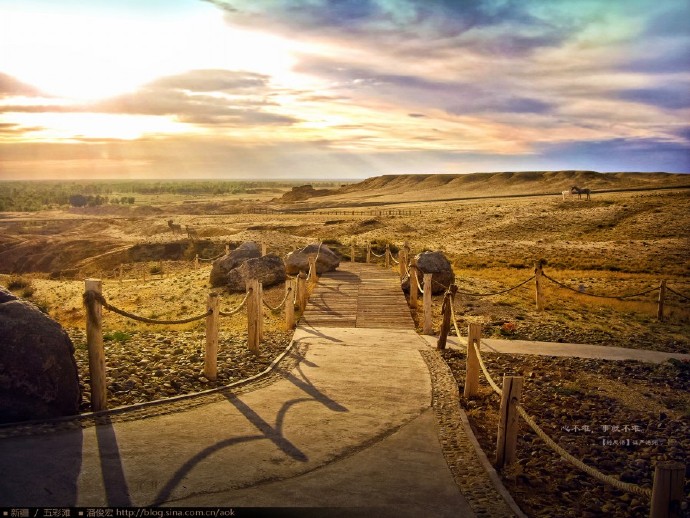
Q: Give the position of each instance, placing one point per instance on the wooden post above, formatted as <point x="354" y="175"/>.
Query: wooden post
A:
<point x="508" y="423"/>
<point x="196" y="262"/>
<point x="448" y="301"/>
<point x="538" y="285"/>
<point x="260" y="310"/>
<point x="252" y="320"/>
<point x="388" y="256"/>
<point x="474" y="333"/>
<point x="263" y="248"/>
<point x="313" y="277"/>
<point x="302" y="291"/>
<point x="94" y="342"/>
<point x="227" y="249"/>
<point x="413" y="284"/>
<point x="368" y="253"/>
<point x="211" y="356"/>
<point x="352" y="251"/>
<point x="427" y="305"/>
<point x="290" y="304"/>
<point x="402" y="263"/>
<point x="662" y="297"/>
<point x="667" y="490"/>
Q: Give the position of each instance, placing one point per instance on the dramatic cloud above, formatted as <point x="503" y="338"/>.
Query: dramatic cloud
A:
<point x="9" y="87"/>
<point x="317" y="88"/>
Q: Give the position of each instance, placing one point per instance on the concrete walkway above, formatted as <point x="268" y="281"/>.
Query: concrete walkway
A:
<point x="350" y="426"/>
<point x="601" y="352"/>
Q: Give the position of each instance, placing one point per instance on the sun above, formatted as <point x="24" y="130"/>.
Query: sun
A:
<point x="86" y="56"/>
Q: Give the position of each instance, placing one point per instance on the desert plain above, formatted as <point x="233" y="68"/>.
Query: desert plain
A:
<point x="632" y="234"/>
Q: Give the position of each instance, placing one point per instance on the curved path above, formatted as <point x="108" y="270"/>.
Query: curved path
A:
<point x="348" y="423"/>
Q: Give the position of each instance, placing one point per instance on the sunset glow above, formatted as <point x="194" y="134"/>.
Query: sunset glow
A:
<point x="403" y="86"/>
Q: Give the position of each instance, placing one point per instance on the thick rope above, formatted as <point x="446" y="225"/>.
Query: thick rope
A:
<point x="679" y="294"/>
<point x="455" y="322"/>
<point x="393" y="258"/>
<point x="91" y="296"/>
<point x="624" y="486"/>
<point x="312" y="274"/>
<point x="564" y="454"/>
<point x="471" y="294"/>
<point x="440" y="284"/>
<point x="565" y="286"/>
<point x="496" y="388"/>
<point x="279" y="306"/>
<point x="416" y="278"/>
<point x="236" y="310"/>
<point x="377" y="255"/>
<point x="211" y="259"/>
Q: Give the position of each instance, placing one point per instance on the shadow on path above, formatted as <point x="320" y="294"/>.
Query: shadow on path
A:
<point x="275" y="433"/>
<point x="114" y="480"/>
<point x="41" y="470"/>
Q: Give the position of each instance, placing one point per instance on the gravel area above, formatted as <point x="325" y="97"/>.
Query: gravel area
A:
<point x="619" y="417"/>
<point x="467" y="470"/>
<point x="145" y="366"/>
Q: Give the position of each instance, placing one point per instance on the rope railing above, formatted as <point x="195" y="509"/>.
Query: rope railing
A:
<point x="676" y="293"/>
<point x="211" y="258"/>
<point x="593" y="472"/>
<point x="239" y="306"/>
<point x="313" y="273"/>
<point x="394" y="260"/>
<point x="416" y="278"/>
<point x="618" y="297"/>
<point x="279" y="306"/>
<point x="488" y="377"/>
<point x="472" y="294"/>
<point x="90" y="296"/>
<point x="625" y="486"/>
<point x="445" y="288"/>
<point x="377" y="255"/>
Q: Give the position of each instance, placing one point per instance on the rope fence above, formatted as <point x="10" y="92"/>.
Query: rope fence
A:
<point x="91" y="295"/>
<point x="662" y="500"/>
<point x="684" y="297"/>
<point x="617" y="297"/>
<point x="279" y="306"/>
<point x="239" y="306"/>
<point x="253" y="300"/>
<point x="211" y="259"/>
<point x="492" y="294"/>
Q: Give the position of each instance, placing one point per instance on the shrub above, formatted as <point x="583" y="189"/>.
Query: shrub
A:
<point x="16" y="283"/>
<point x="117" y="336"/>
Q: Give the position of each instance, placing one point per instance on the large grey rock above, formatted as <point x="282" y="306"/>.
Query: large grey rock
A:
<point x="437" y="264"/>
<point x="298" y="261"/>
<point x="269" y="270"/>
<point x="38" y="373"/>
<point x="224" y="265"/>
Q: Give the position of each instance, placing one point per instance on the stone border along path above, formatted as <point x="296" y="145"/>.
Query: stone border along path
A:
<point x="344" y="420"/>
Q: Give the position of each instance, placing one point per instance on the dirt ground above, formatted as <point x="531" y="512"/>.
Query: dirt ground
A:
<point x="617" y="243"/>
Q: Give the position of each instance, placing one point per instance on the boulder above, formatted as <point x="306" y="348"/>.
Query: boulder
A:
<point x="436" y="264"/>
<point x="298" y="261"/>
<point x="224" y="265"/>
<point x="269" y="270"/>
<point x="38" y="373"/>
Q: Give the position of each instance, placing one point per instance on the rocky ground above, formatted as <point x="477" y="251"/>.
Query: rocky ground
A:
<point x="619" y="417"/>
<point x="146" y="366"/>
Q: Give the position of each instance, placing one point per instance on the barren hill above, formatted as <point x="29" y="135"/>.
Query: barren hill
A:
<point x="425" y="187"/>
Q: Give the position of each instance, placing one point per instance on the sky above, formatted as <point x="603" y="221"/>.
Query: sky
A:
<point x="341" y="89"/>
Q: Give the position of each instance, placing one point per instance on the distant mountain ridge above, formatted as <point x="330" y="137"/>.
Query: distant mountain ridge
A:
<point x="424" y="187"/>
